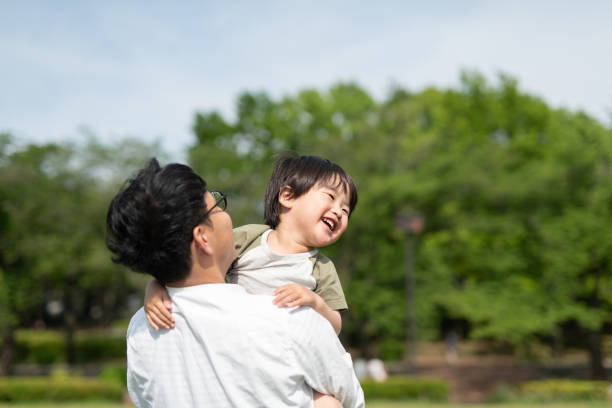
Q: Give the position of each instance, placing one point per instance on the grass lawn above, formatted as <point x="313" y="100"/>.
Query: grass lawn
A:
<point x="65" y="405"/>
<point x="394" y="404"/>
<point x="370" y="404"/>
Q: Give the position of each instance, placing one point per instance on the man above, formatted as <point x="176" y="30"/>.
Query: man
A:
<point x="228" y="348"/>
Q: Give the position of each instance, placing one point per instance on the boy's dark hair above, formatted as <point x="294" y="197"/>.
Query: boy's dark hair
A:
<point x="150" y="222"/>
<point x="301" y="173"/>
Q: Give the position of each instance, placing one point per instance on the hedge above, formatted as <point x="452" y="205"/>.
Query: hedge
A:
<point x="563" y="389"/>
<point x="49" y="347"/>
<point x="553" y="390"/>
<point x="13" y="389"/>
<point x="402" y="387"/>
<point x="110" y="386"/>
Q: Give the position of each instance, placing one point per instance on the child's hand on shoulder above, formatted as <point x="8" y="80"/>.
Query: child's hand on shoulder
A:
<point x="293" y="294"/>
<point x="157" y="305"/>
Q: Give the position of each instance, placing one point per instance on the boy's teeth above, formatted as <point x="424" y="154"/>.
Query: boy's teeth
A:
<point x="329" y="223"/>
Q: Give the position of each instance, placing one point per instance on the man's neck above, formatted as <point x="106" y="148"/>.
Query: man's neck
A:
<point x="199" y="277"/>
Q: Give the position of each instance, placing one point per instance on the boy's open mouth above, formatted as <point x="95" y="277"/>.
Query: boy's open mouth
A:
<point x="331" y="224"/>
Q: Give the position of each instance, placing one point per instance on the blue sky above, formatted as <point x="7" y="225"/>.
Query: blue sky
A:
<point x="131" y="68"/>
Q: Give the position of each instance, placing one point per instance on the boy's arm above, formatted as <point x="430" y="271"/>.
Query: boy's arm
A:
<point x="328" y="283"/>
<point x="294" y="294"/>
<point x="157" y="306"/>
<point x="333" y="316"/>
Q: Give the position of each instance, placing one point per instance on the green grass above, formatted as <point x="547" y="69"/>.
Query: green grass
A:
<point x="370" y="404"/>
<point x="396" y="404"/>
<point x="65" y="405"/>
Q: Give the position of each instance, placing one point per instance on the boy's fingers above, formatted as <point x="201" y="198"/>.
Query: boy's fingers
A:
<point x="159" y="322"/>
<point x="282" y="300"/>
<point x="151" y="321"/>
<point x="160" y="315"/>
<point x="165" y="321"/>
<point x="164" y="313"/>
<point x="299" y="301"/>
<point x="162" y="307"/>
<point x="279" y="299"/>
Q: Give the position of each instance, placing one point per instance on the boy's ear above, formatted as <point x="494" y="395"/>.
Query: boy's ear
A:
<point x="200" y="239"/>
<point x="285" y="197"/>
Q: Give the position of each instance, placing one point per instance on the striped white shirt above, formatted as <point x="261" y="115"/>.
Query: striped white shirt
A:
<point x="233" y="349"/>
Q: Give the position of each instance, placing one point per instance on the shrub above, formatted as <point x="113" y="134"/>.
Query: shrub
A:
<point x="560" y="389"/>
<point x="90" y="349"/>
<point x="58" y="388"/>
<point x="115" y="373"/>
<point x="40" y="347"/>
<point x="48" y="347"/>
<point x="401" y="387"/>
<point x="552" y="390"/>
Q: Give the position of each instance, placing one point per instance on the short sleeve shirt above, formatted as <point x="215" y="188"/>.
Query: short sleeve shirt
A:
<point x="260" y="270"/>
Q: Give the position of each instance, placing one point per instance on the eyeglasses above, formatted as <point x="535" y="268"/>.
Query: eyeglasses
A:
<point x="220" y="201"/>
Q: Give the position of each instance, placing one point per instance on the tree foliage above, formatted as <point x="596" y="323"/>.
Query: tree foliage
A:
<point x="515" y="196"/>
<point x="55" y="268"/>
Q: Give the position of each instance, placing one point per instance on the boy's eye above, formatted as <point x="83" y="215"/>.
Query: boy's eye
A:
<point x="331" y="196"/>
<point x="346" y="211"/>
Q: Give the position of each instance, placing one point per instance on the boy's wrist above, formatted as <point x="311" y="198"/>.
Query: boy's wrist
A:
<point x="319" y="303"/>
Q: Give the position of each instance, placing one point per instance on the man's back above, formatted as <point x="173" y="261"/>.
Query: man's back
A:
<point x="231" y="349"/>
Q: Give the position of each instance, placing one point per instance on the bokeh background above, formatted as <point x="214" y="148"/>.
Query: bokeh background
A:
<point x="479" y="135"/>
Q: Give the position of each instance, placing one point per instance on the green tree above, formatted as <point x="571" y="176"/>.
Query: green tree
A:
<point x="52" y="219"/>
<point x="513" y="192"/>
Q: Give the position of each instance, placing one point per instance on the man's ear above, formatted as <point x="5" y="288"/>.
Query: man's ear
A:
<point x="285" y="197"/>
<point x="200" y="239"/>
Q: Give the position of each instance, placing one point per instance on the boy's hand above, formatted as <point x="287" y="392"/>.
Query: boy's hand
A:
<point x="157" y="305"/>
<point x="294" y="294"/>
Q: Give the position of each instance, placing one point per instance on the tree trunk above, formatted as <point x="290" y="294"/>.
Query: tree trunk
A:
<point x="598" y="371"/>
<point x="7" y="357"/>
<point x="364" y="343"/>
<point x="69" y="328"/>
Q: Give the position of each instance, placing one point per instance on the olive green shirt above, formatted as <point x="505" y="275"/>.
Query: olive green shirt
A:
<point x="327" y="283"/>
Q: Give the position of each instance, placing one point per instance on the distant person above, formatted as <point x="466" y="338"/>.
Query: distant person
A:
<point x="377" y="370"/>
<point x="452" y="341"/>
<point x="228" y="348"/>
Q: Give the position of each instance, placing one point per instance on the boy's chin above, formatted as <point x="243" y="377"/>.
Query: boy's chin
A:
<point x="326" y="242"/>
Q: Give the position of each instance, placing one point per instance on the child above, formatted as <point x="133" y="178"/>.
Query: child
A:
<point x="308" y="202"/>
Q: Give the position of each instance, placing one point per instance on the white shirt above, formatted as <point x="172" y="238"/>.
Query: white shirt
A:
<point x="261" y="270"/>
<point x="233" y="349"/>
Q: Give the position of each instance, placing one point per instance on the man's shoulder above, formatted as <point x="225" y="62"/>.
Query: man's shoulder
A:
<point x="305" y="323"/>
<point x="138" y="323"/>
<point x="261" y="307"/>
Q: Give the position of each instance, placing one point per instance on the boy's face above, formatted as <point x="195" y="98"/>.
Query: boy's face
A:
<point x="321" y="214"/>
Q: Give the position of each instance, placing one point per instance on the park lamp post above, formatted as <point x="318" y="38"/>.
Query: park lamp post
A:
<point x="411" y="225"/>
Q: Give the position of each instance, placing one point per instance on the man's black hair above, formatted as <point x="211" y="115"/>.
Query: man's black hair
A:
<point x="301" y="173"/>
<point x="150" y="222"/>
